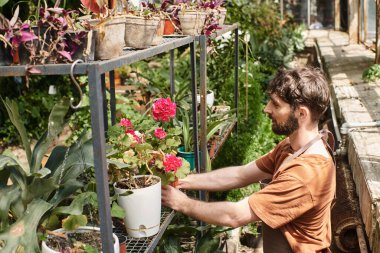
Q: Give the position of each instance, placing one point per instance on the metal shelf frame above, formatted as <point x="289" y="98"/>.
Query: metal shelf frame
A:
<point x="95" y="70"/>
<point x="202" y="40"/>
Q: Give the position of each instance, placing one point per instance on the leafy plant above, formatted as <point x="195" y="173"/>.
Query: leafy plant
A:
<point x="207" y="238"/>
<point x="29" y="193"/>
<point x="372" y="73"/>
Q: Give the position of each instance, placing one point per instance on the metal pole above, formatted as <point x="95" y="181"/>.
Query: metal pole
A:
<point x="104" y="102"/>
<point x="172" y="86"/>
<point x="203" y="92"/>
<point x="102" y="190"/>
<point x="236" y="80"/>
<point x="194" y="105"/>
<point x="113" y="97"/>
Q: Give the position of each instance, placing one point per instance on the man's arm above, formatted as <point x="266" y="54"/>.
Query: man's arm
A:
<point x="224" y="179"/>
<point x="231" y="214"/>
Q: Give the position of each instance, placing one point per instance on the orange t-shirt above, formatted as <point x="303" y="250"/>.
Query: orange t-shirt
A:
<point x="298" y="199"/>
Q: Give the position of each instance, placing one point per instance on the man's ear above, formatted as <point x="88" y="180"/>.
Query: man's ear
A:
<point x="303" y="112"/>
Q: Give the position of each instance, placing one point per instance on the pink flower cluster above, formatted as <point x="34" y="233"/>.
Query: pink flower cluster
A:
<point x="163" y="109"/>
<point x="128" y="126"/>
<point x="159" y="133"/>
<point x="172" y="163"/>
<point x="126" y="123"/>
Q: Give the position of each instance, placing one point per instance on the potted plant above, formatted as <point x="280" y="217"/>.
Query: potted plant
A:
<point x="141" y="157"/>
<point x="141" y="26"/>
<point x="109" y="29"/>
<point x="198" y="17"/>
<point x="210" y="98"/>
<point x="16" y="34"/>
<point x="214" y="124"/>
<point x="32" y="195"/>
<point x="192" y="17"/>
<point x="82" y="239"/>
<point x="170" y="12"/>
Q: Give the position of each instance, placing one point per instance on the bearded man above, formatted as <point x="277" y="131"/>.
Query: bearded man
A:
<point x="294" y="206"/>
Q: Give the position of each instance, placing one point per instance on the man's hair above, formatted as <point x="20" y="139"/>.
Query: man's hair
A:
<point x="302" y="86"/>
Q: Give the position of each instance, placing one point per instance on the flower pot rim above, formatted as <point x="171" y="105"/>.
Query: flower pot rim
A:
<point x="136" y="176"/>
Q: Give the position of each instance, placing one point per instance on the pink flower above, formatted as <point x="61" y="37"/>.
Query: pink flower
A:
<point x="136" y="134"/>
<point x="160" y="133"/>
<point x="172" y="163"/>
<point x="125" y="123"/>
<point x="163" y="109"/>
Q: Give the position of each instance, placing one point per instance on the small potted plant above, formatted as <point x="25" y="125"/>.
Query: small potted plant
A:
<point x="109" y="29"/>
<point x="142" y="156"/>
<point x="141" y="26"/>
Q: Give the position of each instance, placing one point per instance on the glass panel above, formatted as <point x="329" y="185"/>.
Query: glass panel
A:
<point x="361" y="25"/>
<point x="321" y="12"/>
<point x="371" y="19"/>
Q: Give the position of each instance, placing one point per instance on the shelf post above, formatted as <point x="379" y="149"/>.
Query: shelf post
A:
<point x="194" y="105"/>
<point x="203" y="111"/>
<point x="113" y="97"/>
<point x="236" y="80"/>
<point x="104" y="102"/>
<point x="99" y="144"/>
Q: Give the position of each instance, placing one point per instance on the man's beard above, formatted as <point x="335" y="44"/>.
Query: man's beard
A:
<point x="286" y="128"/>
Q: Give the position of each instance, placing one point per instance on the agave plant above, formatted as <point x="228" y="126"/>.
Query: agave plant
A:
<point x="29" y="194"/>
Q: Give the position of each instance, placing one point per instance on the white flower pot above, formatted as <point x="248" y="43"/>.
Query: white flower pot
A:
<point x="143" y="209"/>
<point x="46" y="249"/>
<point x="192" y="22"/>
<point x="210" y="98"/>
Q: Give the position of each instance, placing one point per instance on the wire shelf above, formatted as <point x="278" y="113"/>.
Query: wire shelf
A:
<point x="146" y="244"/>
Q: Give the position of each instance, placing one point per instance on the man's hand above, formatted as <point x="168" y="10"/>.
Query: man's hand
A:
<point x="173" y="198"/>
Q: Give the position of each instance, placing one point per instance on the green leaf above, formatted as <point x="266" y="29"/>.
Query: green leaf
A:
<point x="78" y="203"/>
<point x="172" y="244"/>
<point x="3" y="2"/>
<point x="55" y="126"/>
<point x="15" y="118"/>
<point x="74" y="221"/>
<point x="8" y="195"/>
<point x="23" y="231"/>
<point x="117" y="211"/>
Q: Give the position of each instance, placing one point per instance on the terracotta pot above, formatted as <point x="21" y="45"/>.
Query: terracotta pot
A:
<point x="169" y="26"/>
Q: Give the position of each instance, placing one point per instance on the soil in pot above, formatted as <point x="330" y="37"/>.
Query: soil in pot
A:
<point x="137" y="183"/>
<point x="61" y="244"/>
<point x="84" y="239"/>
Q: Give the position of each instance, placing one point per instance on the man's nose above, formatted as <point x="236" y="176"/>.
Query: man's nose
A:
<point x="266" y="109"/>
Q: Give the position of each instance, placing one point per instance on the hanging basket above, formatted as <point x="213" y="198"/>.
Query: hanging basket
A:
<point x="192" y="22"/>
<point x="139" y="32"/>
<point x="142" y="207"/>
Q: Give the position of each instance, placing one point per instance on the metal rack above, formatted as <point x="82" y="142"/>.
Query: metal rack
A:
<point x="95" y="71"/>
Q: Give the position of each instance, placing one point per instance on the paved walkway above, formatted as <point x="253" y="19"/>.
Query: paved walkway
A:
<point x="356" y="102"/>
